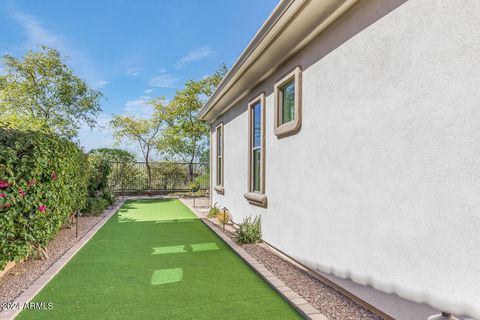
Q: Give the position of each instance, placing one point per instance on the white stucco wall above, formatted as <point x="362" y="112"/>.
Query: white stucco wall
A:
<point x="382" y="183"/>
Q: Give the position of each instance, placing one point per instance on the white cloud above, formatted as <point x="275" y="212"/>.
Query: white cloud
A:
<point x="100" y="84"/>
<point x="133" y="71"/>
<point x="139" y="107"/>
<point x="164" y="80"/>
<point x="194" y="55"/>
<point x="150" y="90"/>
<point x="37" y="34"/>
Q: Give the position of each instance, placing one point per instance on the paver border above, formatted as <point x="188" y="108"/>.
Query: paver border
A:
<point x="295" y="300"/>
<point x="44" y="279"/>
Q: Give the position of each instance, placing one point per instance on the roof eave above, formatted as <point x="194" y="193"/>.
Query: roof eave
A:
<point x="288" y="29"/>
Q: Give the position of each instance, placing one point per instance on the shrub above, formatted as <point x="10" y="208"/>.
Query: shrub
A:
<point x="194" y="186"/>
<point x="125" y="176"/>
<point x="99" y="192"/>
<point x="99" y="171"/>
<point x="42" y="182"/>
<point x="250" y="231"/>
<point x="203" y="180"/>
<point x="214" y="211"/>
<point x="109" y="196"/>
<point x="114" y="155"/>
<point x="167" y="175"/>
<point x="95" y="206"/>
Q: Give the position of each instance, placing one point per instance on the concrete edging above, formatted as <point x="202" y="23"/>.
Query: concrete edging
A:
<point x="48" y="275"/>
<point x="301" y="305"/>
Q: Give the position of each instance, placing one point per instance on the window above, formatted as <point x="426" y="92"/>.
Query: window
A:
<point x="219" y="159"/>
<point x="256" y="149"/>
<point x="256" y="146"/>
<point x="288" y="103"/>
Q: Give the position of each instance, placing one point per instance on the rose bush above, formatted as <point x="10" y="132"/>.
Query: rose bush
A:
<point x="42" y="182"/>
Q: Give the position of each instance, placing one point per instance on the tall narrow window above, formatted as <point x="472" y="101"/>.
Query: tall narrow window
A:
<point x="256" y="135"/>
<point x="256" y="149"/>
<point x="288" y="103"/>
<point x="219" y="158"/>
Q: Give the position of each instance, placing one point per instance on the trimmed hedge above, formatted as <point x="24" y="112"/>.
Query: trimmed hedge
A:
<point x="42" y="182"/>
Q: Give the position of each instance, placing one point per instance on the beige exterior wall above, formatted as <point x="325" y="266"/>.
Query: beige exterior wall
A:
<point x="382" y="182"/>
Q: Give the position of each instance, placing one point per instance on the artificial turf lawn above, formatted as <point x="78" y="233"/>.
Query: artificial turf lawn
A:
<point x="154" y="259"/>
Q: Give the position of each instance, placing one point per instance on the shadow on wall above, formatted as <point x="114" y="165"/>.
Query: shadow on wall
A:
<point x="358" y="18"/>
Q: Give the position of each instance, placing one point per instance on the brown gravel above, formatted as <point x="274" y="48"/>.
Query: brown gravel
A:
<point x="22" y="275"/>
<point x="330" y="302"/>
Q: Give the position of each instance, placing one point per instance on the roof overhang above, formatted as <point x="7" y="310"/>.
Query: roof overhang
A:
<point x="290" y="27"/>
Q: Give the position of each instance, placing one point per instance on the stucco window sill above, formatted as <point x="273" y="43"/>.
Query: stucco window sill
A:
<point x="219" y="189"/>
<point x="288" y="128"/>
<point x="256" y="198"/>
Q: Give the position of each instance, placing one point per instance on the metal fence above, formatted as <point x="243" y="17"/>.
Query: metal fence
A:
<point x="165" y="176"/>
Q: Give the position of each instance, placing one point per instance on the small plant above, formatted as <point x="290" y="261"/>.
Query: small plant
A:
<point x="194" y="186"/>
<point x="223" y="216"/>
<point x="214" y="211"/>
<point x="95" y="206"/>
<point x="250" y="231"/>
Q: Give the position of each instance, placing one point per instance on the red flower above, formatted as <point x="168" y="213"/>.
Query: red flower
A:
<point x="54" y="176"/>
<point x="3" y="195"/>
<point x="22" y="193"/>
<point x="31" y="182"/>
<point x="4" y="184"/>
<point x="7" y="205"/>
<point x="42" y="208"/>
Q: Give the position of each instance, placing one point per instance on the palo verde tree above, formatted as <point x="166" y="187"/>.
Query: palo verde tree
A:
<point x="144" y="132"/>
<point x="184" y="135"/>
<point x="42" y="89"/>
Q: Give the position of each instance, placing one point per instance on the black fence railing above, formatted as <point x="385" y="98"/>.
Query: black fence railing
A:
<point x="164" y="176"/>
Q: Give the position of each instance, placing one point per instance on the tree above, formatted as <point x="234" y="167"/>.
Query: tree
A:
<point x="185" y="136"/>
<point x="114" y="155"/>
<point x="40" y="86"/>
<point x="142" y="131"/>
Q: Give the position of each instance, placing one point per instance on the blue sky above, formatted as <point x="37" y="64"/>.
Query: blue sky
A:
<point x="133" y="50"/>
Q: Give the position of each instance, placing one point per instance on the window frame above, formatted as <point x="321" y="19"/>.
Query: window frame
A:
<point x="256" y="197"/>
<point x="219" y="158"/>
<point x="293" y="126"/>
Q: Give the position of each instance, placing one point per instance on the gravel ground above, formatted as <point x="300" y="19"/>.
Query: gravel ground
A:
<point x="327" y="300"/>
<point x="22" y="275"/>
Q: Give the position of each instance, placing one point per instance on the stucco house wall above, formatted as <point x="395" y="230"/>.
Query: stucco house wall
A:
<point x="382" y="182"/>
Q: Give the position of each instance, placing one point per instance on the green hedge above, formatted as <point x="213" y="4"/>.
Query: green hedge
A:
<point x="42" y="182"/>
<point x="99" y="194"/>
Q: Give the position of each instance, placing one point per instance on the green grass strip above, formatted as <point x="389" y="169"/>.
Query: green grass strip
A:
<point x="154" y="259"/>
